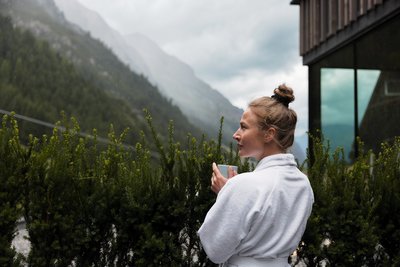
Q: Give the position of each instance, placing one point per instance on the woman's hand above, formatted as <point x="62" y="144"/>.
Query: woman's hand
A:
<point x="218" y="180"/>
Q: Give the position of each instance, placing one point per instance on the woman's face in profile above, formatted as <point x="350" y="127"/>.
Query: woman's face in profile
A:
<point x="249" y="136"/>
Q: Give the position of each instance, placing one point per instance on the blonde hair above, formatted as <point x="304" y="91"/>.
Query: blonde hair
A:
<point x="274" y="112"/>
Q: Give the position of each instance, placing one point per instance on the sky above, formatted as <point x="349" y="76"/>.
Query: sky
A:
<point x="242" y="48"/>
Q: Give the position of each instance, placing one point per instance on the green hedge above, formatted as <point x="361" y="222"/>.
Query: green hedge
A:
<point x="116" y="206"/>
<point x="106" y="207"/>
<point x="12" y="177"/>
<point x="356" y="214"/>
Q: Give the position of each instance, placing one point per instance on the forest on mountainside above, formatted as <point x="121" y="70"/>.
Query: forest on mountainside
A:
<point x="38" y="82"/>
<point x="97" y="64"/>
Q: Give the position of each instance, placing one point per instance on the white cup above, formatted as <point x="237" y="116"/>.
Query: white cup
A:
<point x="224" y="169"/>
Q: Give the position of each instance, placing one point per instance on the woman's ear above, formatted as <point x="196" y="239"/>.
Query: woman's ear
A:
<point x="269" y="134"/>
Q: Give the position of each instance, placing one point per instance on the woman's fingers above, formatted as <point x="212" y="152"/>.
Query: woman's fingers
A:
<point x="217" y="179"/>
<point x="215" y="169"/>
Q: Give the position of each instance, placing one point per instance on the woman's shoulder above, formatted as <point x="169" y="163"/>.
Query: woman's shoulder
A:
<point x="252" y="182"/>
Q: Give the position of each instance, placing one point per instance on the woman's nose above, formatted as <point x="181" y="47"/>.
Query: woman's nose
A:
<point x="236" y="135"/>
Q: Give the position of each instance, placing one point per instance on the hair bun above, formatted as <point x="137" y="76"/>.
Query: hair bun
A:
<point x="283" y="94"/>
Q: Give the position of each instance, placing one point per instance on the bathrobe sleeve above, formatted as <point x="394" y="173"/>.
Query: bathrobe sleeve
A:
<point x="229" y="220"/>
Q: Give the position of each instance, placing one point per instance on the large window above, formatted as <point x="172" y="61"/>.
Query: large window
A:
<point x="355" y="91"/>
<point x="378" y="107"/>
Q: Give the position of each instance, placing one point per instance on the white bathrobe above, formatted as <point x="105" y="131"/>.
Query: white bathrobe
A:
<point x="260" y="214"/>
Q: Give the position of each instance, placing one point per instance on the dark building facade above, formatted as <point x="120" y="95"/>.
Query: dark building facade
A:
<point x="352" y="50"/>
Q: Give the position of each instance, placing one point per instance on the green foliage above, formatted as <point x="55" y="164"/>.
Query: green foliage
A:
<point x="386" y="188"/>
<point x="108" y="207"/>
<point x="355" y="219"/>
<point x="117" y="207"/>
<point x="12" y="175"/>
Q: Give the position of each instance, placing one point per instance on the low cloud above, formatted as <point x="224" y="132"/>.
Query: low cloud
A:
<point x="242" y="48"/>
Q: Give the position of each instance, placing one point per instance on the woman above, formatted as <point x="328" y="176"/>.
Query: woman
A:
<point x="259" y="217"/>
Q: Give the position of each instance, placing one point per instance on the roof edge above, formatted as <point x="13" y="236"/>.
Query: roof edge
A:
<point x="357" y="29"/>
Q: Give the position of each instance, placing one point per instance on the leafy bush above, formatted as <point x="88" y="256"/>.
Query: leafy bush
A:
<point x="355" y="219"/>
<point x="12" y="176"/>
<point x="113" y="206"/>
<point x="116" y="206"/>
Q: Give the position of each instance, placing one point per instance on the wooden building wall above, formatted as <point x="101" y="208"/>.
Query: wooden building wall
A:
<point x="320" y="19"/>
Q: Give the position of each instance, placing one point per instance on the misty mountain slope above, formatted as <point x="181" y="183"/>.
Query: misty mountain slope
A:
<point x="44" y="92"/>
<point x="178" y="81"/>
<point x="96" y="63"/>
<point x="85" y="19"/>
<point x="202" y="104"/>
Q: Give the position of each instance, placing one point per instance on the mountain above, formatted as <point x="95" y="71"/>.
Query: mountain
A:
<point x="97" y="64"/>
<point x="203" y="105"/>
<point x="85" y="19"/>
<point x="36" y="81"/>
<point x="102" y="68"/>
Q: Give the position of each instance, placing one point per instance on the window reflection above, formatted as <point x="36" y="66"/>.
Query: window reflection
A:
<point x="380" y="122"/>
<point x="366" y="80"/>
<point x="337" y="107"/>
<point x="378" y="101"/>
